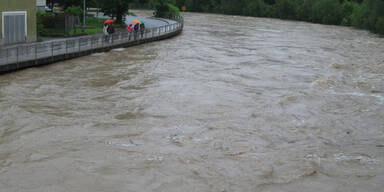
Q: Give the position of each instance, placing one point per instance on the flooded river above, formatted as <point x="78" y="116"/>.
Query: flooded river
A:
<point x="232" y="104"/>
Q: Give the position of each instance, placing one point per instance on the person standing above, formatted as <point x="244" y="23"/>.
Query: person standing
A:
<point x="105" y="31"/>
<point x="110" y="30"/>
<point x="136" y="30"/>
<point x="129" y="29"/>
<point x="142" y="29"/>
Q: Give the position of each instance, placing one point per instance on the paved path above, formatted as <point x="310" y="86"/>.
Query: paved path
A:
<point x="150" y="22"/>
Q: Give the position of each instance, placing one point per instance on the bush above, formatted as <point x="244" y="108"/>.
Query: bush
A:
<point x="39" y="24"/>
<point x="379" y="27"/>
<point x="327" y="12"/>
<point x="358" y="16"/>
<point x="232" y="7"/>
<point x="172" y="11"/>
<point x="256" y="8"/>
<point x="304" y="10"/>
<point x="75" y="10"/>
<point x="347" y="9"/>
<point x="45" y="18"/>
<point x="284" y="9"/>
<point x="164" y="8"/>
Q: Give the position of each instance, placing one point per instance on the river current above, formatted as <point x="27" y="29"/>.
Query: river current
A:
<point x="232" y="104"/>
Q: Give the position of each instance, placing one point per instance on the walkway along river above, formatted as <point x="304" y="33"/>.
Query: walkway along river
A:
<point x="231" y="104"/>
<point x="28" y="55"/>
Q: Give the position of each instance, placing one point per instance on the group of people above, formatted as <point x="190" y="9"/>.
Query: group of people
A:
<point x="108" y="30"/>
<point x="136" y="28"/>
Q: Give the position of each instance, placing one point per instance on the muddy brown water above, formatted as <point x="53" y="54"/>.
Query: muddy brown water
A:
<point x="232" y="104"/>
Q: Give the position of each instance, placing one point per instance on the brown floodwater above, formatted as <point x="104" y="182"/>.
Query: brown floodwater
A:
<point x="232" y="104"/>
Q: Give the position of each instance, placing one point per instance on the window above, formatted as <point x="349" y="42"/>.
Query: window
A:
<point x="14" y="27"/>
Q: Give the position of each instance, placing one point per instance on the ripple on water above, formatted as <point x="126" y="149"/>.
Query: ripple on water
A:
<point x="231" y="104"/>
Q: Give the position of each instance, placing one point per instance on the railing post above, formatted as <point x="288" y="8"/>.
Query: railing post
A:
<point x="52" y="51"/>
<point x="66" y="47"/>
<point x="35" y="51"/>
<point x="17" y="55"/>
<point x="7" y="55"/>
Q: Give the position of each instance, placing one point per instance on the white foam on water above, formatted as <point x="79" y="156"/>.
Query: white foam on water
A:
<point x="379" y="97"/>
<point x="98" y="54"/>
<point x="118" y="49"/>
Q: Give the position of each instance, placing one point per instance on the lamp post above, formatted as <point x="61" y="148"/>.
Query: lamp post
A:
<point x="84" y="10"/>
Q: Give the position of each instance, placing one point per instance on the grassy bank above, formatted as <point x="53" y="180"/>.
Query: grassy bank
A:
<point x="48" y="28"/>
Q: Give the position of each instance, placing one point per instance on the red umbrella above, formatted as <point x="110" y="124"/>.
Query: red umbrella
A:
<point x="109" y="21"/>
<point x="129" y="28"/>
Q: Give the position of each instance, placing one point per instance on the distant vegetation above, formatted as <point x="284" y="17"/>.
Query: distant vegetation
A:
<point x="47" y="24"/>
<point x="164" y="8"/>
<point x="363" y="14"/>
<point x="117" y="9"/>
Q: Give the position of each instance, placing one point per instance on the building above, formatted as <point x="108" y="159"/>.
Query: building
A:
<point x="40" y="4"/>
<point x="17" y="21"/>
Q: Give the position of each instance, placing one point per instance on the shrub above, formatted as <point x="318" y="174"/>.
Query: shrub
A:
<point x="327" y="12"/>
<point x="304" y="10"/>
<point x="379" y="27"/>
<point x="346" y="12"/>
<point x="164" y="8"/>
<point x="75" y="10"/>
<point x="256" y="8"/>
<point x="172" y="11"/>
<point x="47" y="19"/>
<point x="284" y="9"/>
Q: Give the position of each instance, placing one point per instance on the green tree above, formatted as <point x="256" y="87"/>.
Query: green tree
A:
<point x="326" y="12"/>
<point x="232" y="6"/>
<point x="379" y="27"/>
<point x="304" y="9"/>
<point x="347" y="9"/>
<point x="256" y="8"/>
<point x="116" y="9"/>
<point x="75" y="10"/>
<point x="164" y="8"/>
<point x="285" y="9"/>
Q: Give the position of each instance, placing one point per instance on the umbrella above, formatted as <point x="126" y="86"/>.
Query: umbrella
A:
<point x="109" y="21"/>
<point x="142" y="21"/>
<point x="136" y="21"/>
<point x="129" y="28"/>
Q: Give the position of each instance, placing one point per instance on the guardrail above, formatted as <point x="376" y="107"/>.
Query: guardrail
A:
<point x="27" y="55"/>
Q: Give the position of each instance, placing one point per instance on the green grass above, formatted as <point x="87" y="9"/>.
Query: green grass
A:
<point x="60" y="32"/>
<point x="88" y="31"/>
<point x="94" y="21"/>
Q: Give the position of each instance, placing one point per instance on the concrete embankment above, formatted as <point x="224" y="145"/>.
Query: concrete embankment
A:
<point x="29" y="55"/>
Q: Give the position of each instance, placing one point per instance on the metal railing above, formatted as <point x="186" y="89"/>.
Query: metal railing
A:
<point x="49" y="49"/>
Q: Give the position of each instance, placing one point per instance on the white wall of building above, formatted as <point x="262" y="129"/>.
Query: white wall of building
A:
<point x="41" y="3"/>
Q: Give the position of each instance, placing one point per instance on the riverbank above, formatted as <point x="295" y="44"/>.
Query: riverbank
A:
<point x="366" y="14"/>
<point x="22" y="56"/>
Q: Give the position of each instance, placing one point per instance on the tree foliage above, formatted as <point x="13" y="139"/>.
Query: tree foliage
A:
<point x="116" y="8"/>
<point x="164" y="8"/>
<point x="365" y="14"/>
